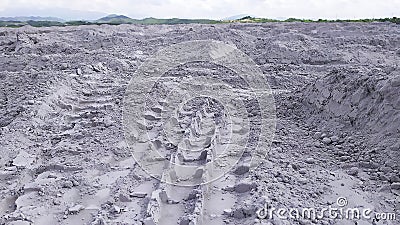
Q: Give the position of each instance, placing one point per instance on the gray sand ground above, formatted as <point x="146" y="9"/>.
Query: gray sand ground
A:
<point x="64" y="159"/>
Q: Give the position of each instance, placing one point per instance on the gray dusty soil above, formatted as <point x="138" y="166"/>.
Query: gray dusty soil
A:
<point x="64" y="158"/>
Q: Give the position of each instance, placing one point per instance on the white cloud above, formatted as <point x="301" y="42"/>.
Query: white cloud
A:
<point x="216" y="9"/>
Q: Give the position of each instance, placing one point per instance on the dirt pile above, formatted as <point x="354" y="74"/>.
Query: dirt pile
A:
<point x="362" y="101"/>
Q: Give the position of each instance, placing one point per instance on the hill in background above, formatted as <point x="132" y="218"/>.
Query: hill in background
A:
<point x="121" y="19"/>
<point x="114" y="19"/>
<point x="31" y="18"/>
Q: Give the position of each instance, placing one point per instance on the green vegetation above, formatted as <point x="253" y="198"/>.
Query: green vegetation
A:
<point x="77" y="23"/>
<point x="120" y="19"/>
<point x="31" y="23"/>
<point x="44" y="23"/>
<point x="249" y="19"/>
<point x="11" y="24"/>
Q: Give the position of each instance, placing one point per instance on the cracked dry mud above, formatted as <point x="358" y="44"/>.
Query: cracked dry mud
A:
<point x="64" y="158"/>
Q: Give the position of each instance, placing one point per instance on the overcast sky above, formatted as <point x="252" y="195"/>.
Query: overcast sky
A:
<point x="214" y="9"/>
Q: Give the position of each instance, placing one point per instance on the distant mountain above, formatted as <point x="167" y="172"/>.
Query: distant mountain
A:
<point x="31" y="18"/>
<point x="121" y="19"/>
<point x="56" y="12"/>
<point x="113" y="18"/>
